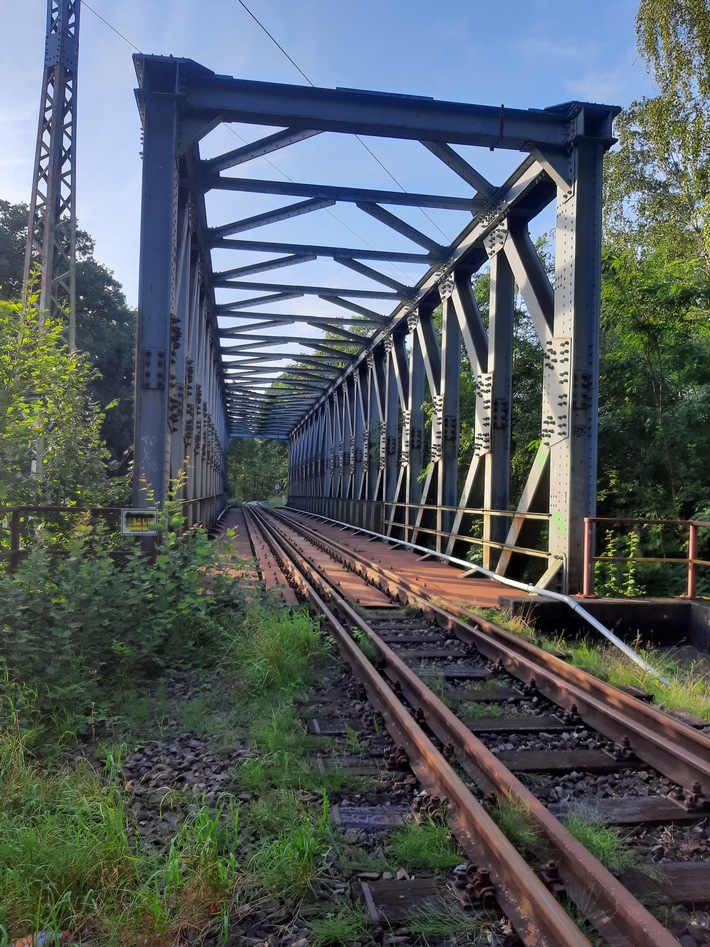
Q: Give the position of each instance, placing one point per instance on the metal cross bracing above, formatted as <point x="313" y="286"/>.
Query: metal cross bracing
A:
<point x="362" y="375"/>
<point x="51" y="240"/>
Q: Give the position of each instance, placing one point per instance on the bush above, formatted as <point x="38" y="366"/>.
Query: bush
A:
<point x="76" y="622"/>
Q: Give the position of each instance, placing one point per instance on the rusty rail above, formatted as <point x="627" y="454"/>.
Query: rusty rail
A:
<point x="679" y="752"/>
<point x="609" y="907"/>
<point x="530" y="907"/>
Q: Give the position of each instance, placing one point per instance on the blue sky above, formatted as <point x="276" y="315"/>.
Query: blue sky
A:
<point x="523" y="53"/>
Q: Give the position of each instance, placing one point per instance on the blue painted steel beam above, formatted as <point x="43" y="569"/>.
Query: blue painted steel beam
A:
<point x="267" y="265"/>
<point x="255" y="301"/>
<point x="389" y="116"/>
<point x="264" y="146"/>
<point x="306" y="290"/>
<point x="396" y="223"/>
<point x="350" y="195"/>
<point x="271" y="217"/>
<point x="386" y="256"/>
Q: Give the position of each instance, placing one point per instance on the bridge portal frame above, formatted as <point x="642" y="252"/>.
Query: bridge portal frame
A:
<point x="359" y="442"/>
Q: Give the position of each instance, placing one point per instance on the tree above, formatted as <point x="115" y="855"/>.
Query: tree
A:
<point x="51" y="451"/>
<point x="674" y="38"/>
<point x="13" y="237"/>
<point x="255" y="466"/>
<point x="657" y="193"/>
<point x="655" y="404"/>
<point x="105" y="329"/>
<point x="105" y="324"/>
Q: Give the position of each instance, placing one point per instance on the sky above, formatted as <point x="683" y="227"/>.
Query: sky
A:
<point x="523" y="53"/>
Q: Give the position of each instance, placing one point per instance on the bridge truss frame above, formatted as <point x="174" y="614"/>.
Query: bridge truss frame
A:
<point x="361" y="448"/>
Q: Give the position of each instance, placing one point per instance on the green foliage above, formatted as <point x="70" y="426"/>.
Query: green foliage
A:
<point x="255" y="466"/>
<point x="344" y="925"/>
<point x="618" y="579"/>
<point x="51" y="452"/>
<point x="604" y="842"/>
<point x="656" y="183"/>
<point x="105" y="325"/>
<point x="477" y="710"/>
<point x="105" y="329"/>
<point x="275" y="651"/>
<point x="72" y="624"/>
<point x="289" y="864"/>
<point x="68" y="859"/>
<point x="674" y="38"/>
<point x="655" y="384"/>
<point x="417" y="845"/>
<point x="513" y="819"/>
<point x="13" y="237"/>
<point x="365" y="644"/>
<point x="444" y="919"/>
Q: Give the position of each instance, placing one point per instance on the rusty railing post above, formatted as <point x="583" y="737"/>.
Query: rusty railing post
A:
<point x="692" y="556"/>
<point x="589" y="535"/>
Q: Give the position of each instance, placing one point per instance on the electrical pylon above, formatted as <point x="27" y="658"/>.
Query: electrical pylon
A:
<point x="51" y="238"/>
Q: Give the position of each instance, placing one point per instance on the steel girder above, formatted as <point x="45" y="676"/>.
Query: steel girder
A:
<point x="372" y="411"/>
<point x="181" y="420"/>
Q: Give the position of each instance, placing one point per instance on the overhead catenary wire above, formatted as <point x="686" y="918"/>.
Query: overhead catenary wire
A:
<point x="110" y="26"/>
<point x="236" y="134"/>
<point x="364" y="145"/>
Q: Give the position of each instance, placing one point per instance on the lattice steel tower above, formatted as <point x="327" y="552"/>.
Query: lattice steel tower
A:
<point x="51" y="240"/>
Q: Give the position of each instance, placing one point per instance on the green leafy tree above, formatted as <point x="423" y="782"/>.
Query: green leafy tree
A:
<point x="657" y="185"/>
<point x="674" y="38"/>
<point x="255" y="466"/>
<point x="655" y="406"/>
<point x="13" y="236"/>
<point x="106" y="332"/>
<point x="51" y="451"/>
<point x="105" y="325"/>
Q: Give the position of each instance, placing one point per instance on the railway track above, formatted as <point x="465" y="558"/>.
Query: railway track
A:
<point x="478" y="713"/>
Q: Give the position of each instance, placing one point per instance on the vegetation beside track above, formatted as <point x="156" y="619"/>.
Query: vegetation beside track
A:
<point x="73" y="854"/>
<point x="69" y="850"/>
<point x="688" y="689"/>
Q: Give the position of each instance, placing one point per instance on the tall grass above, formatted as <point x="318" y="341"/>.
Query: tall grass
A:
<point x="67" y="858"/>
<point x="274" y="650"/>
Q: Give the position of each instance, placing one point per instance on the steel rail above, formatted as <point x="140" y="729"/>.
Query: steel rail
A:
<point x="530" y="907"/>
<point x="526" y="587"/>
<point x="607" y="904"/>
<point x="670" y="746"/>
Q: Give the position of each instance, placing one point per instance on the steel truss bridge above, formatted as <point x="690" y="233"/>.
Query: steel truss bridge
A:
<point x="356" y="361"/>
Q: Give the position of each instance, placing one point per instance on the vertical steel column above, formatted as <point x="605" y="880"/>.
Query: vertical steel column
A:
<point x="192" y="345"/>
<point x="389" y="434"/>
<point x="475" y="339"/>
<point x="347" y="433"/>
<point x="412" y="456"/>
<point x="321" y="451"/>
<point x="447" y="406"/>
<point x="574" y="353"/>
<point x="338" y="448"/>
<point x="426" y="515"/>
<point x="180" y="319"/>
<point x="158" y="246"/>
<point x="327" y="485"/>
<point x="359" y="447"/>
<point x="376" y="363"/>
<point x="500" y="369"/>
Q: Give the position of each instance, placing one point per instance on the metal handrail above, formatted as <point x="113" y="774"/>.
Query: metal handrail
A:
<point x="15" y="513"/>
<point x="691" y="560"/>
